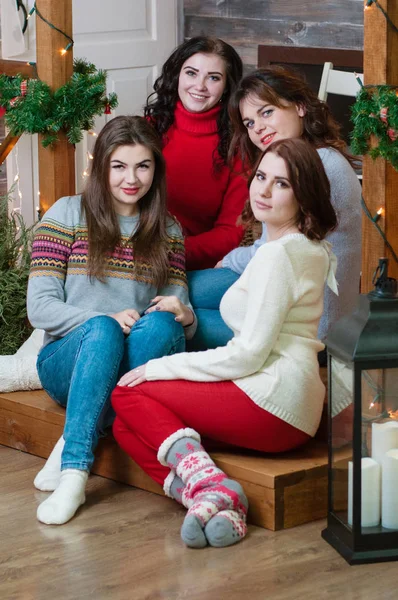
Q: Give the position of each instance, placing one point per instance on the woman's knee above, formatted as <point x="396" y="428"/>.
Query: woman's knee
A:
<point x="102" y="328"/>
<point x="162" y="323"/>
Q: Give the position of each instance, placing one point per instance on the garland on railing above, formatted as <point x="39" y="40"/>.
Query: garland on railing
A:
<point x="32" y="107"/>
<point x="375" y="118"/>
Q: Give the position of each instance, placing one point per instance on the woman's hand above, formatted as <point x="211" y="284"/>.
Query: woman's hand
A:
<point x="219" y="265"/>
<point x="134" y="377"/>
<point x="184" y="315"/>
<point x="126" y="319"/>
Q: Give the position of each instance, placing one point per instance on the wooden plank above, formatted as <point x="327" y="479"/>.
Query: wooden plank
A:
<point x="380" y="180"/>
<point x="277" y="32"/>
<point x="7" y="145"/>
<point x="263" y="505"/>
<point x="56" y="164"/>
<point x="332" y="11"/>
<point x="35" y="404"/>
<point x="274" y="470"/>
<point x="306" y="501"/>
<point x="17" y="67"/>
<point x="113" y="463"/>
<point x="310" y="56"/>
<point x="30" y="434"/>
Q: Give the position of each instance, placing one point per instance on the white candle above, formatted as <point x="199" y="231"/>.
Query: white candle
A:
<point x="384" y="438"/>
<point x="370" y="497"/>
<point x="389" y="490"/>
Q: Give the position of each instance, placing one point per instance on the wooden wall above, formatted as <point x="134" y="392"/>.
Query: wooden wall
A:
<point x="247" y="23"/>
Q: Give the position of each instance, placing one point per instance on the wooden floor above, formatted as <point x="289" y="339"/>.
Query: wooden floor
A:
<point x="124" y="544"/>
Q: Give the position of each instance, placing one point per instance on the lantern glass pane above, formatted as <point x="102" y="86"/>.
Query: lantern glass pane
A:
<point x="378" y="444"/>
<point x="379" y="449"/>
<point x="342" y="386"/>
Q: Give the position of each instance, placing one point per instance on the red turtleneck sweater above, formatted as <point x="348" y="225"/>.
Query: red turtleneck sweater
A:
<point x="207" y="204"/>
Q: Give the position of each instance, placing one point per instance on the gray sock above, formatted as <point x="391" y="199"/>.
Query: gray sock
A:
<point x="226" y="528"/>
<point x="176" y="489"/>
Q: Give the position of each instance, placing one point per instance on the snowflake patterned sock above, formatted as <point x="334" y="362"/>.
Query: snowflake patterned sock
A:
<point x="207" y="491"/>
<point x="176" y="488"/>
<point x="226" y="528"/>
<point x="48" y="478"/>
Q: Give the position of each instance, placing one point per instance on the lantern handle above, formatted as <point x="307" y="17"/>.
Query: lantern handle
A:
<point x="380" y="273"/>
<point x="385" y="287"/>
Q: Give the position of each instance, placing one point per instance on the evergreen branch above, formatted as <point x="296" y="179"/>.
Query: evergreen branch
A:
<point x="71" y="108"/>
<point x="15" y="247"/>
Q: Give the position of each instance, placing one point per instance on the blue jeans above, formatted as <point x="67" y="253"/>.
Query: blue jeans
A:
<point x="206" y="288"/>
<point x="80" y="370"/>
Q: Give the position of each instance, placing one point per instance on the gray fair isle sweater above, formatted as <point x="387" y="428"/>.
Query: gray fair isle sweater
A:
<point x="61" y="295"/>
<point x="346" y="240"/>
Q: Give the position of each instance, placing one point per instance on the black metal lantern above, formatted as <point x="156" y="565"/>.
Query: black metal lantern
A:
<point x="363" y="427"/>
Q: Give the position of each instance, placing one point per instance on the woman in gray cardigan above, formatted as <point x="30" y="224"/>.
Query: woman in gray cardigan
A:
<point x="272" y="104"/>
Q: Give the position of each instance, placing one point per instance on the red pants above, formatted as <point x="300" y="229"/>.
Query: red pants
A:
<point x="149" y="413"/>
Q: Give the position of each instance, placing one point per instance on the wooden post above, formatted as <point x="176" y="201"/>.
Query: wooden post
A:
<point x="57" y="163"/>
<point x="380" y="180"/>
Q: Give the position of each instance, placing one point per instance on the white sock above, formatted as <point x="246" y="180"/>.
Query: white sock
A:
<point x="47" y="479"/>
<point x="64" y="502"/>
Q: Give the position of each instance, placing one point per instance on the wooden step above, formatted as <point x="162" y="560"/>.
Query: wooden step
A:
<point x="283" y="490"/>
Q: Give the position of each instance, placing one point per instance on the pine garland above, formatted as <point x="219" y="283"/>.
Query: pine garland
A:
<point x="15" y="247"/>
<point x="33" y="108"/>
<point x="375" y="118"/>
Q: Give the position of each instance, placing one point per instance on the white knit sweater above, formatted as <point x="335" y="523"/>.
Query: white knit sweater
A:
<point x="274" y="310"/>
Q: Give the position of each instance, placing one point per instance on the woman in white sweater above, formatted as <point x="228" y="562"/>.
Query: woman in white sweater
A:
<point x="262" y="390"/>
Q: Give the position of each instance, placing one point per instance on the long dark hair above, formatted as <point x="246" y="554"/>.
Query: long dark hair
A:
<point x="316" y="216"/>
<point x="161" y="103"/>
<point x="150" y="238"/>
<point x="273" y="85"/>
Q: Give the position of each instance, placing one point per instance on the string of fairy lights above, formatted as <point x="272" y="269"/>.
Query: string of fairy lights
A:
<point x="70" y="43"/>
<point x="63" y="51"/>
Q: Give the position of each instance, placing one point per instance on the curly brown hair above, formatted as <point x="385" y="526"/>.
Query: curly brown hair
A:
<point x="276" y="85"/>
<point x="150" y="239"/>
<point x="161" y="103"/>
<point x="316" y="216"/>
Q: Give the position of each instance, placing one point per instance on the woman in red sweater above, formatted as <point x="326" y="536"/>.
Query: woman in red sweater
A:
<point x="189" y="110"/>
